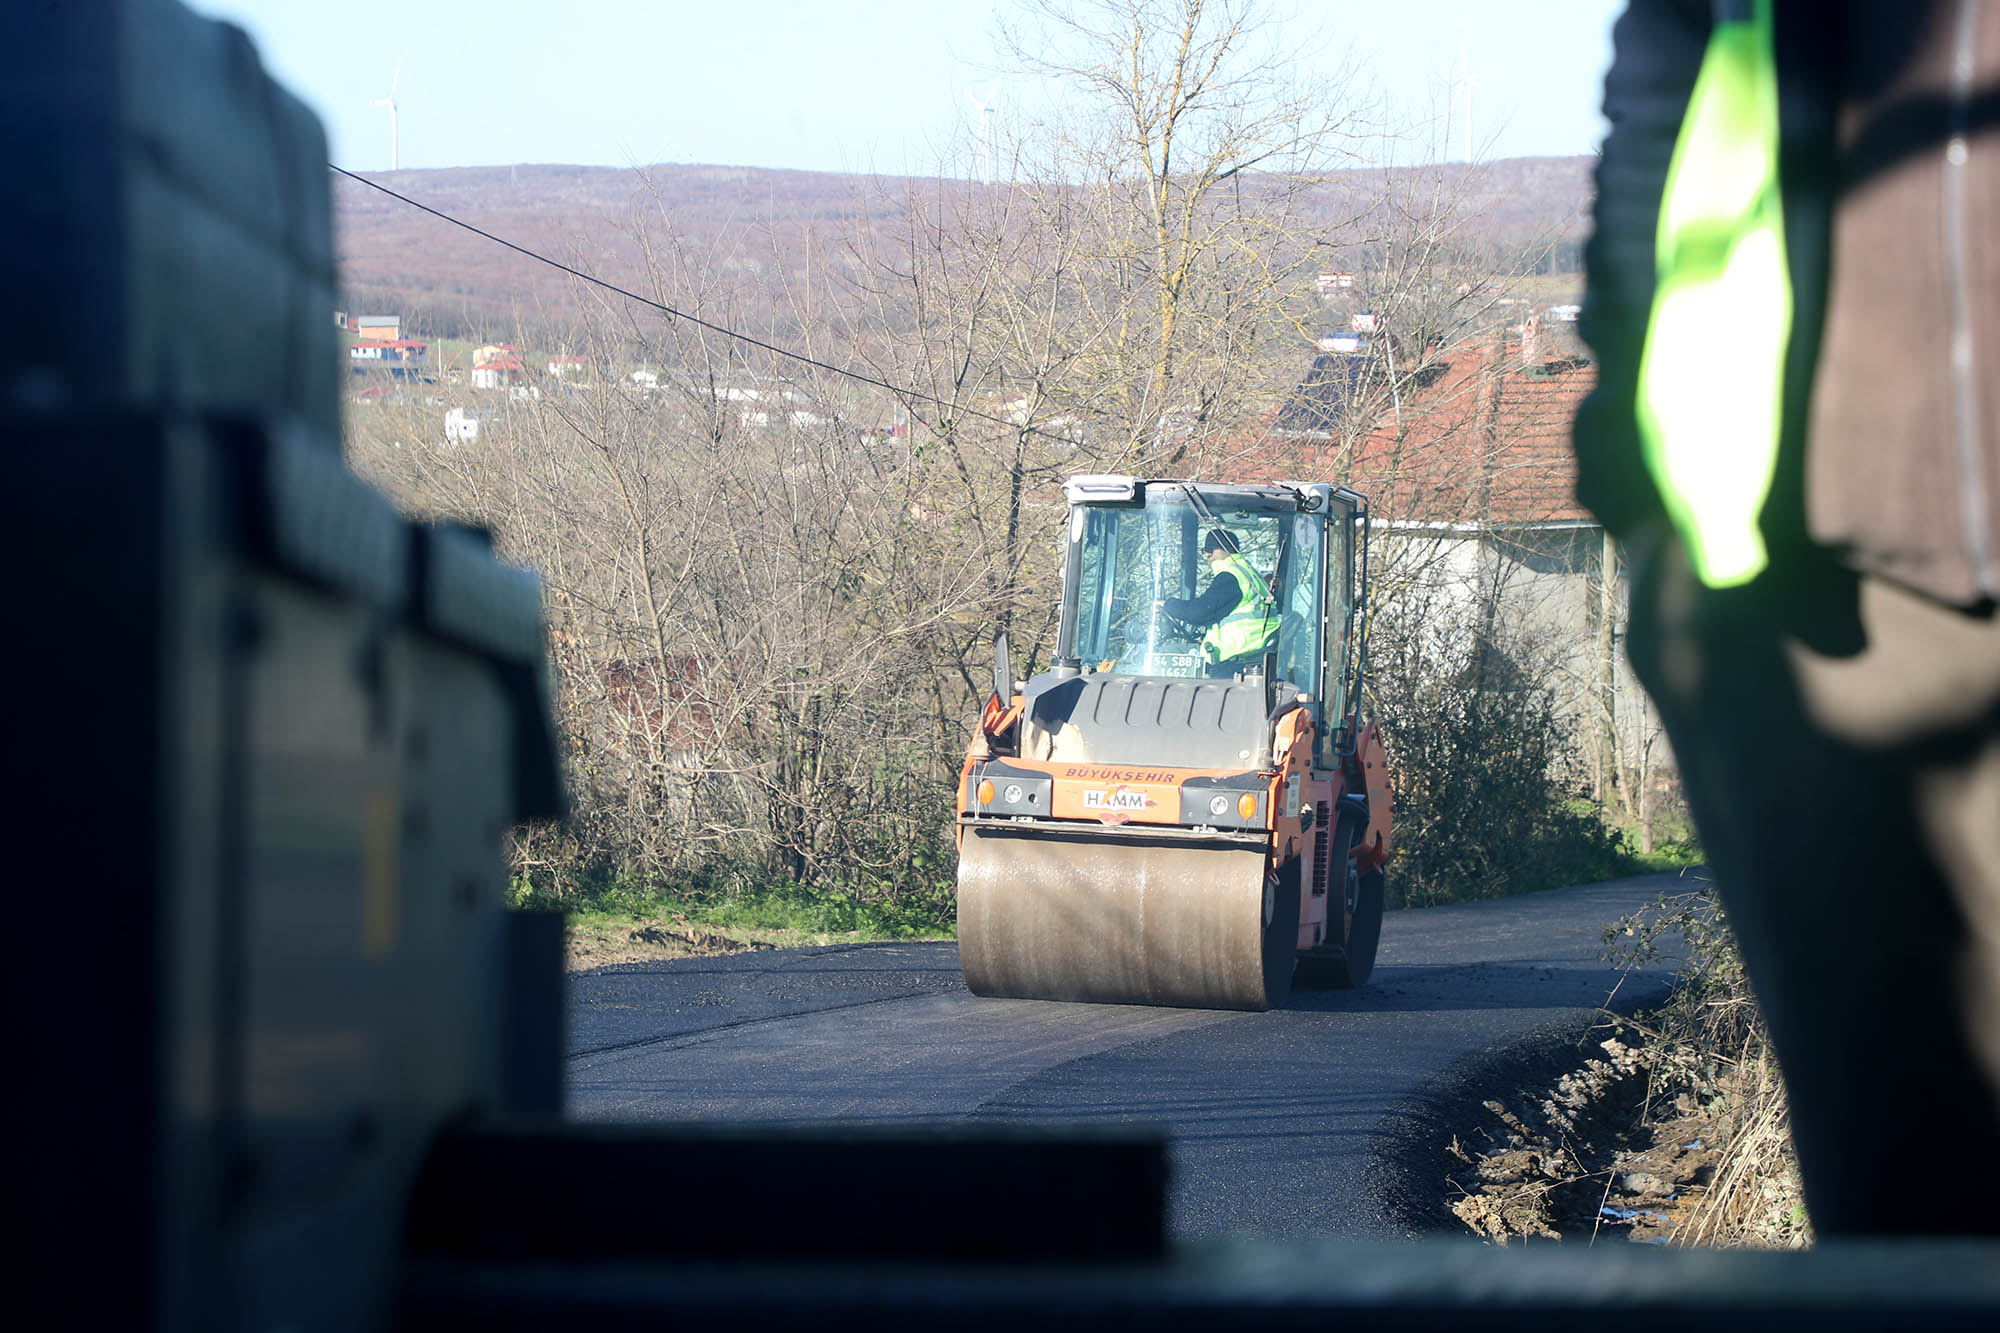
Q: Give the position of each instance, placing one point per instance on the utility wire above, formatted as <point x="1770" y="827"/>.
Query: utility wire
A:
<point x="698" y="320"/>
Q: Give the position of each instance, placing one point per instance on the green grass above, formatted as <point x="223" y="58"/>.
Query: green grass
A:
<point x="802" y="910"/>
<point x="782" y="913"/>
<point x="1666" y="856"/>
<point x="1676" y="845"/>
<point x="741" y="906"/>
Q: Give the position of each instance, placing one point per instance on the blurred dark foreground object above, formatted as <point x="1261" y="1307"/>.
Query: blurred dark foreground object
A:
<point x="271" y="734"/>
<point x="290" y="1065"/>
<point x="1836" y="718"/>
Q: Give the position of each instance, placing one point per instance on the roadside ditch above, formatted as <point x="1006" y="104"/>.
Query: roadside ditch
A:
<point x="1589" y="1134"/>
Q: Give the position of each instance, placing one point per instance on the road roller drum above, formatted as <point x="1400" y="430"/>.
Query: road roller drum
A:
<point x="1122" y="921"/>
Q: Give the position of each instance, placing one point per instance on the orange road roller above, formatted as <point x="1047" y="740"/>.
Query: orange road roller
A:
<point x="1188" y="808"/>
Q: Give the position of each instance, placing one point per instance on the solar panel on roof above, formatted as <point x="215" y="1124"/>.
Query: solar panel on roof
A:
<point x="1327" y="394"/>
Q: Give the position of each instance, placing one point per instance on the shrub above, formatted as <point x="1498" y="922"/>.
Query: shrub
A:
<point x="1475" y="741"/>
<point x="1708" y="1054"/>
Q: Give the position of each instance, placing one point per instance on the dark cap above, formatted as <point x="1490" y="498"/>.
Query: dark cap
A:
<point x="1218" y="540"/>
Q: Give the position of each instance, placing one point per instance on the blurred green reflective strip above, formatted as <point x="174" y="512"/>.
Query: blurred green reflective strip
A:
<point x="1711" y="380"/>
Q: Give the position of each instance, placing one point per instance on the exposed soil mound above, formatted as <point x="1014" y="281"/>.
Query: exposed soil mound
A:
<point x="1593" y="1155"/>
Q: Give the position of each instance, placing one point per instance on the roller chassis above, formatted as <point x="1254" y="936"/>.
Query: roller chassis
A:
<point x="1136" y="826"/>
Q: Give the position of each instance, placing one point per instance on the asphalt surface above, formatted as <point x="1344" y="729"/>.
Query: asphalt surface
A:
<point x="1279" y="1124"/>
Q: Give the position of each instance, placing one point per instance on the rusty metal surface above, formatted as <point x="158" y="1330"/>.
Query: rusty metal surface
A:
<point x="1099" y="919"/>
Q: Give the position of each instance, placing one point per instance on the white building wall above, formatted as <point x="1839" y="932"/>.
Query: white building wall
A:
<point x="1539" y="592"/>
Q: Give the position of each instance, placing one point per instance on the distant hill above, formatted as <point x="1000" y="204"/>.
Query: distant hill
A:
<point x="735" y="232"/>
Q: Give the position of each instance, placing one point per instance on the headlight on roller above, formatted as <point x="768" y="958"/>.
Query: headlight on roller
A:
<point x="1223" y="804"/>
<point x="1011" y="793"/>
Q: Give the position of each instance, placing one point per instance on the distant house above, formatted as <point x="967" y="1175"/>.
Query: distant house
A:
<point x="1470" y="481"/>
<point x="564" y="366"/>
<point x="495" y="352"/>
<point x="645" y="381"/>
<point x="757" y="391"/>
<point x="1472" y="451"/>
<point x="499" y="370"/>
<point x="1330" y="282"/>
<point x="376" y="328"/>
<point x="1480" y="436"/>
<point x="775" y="403"/>
<point x="401" y="351"/>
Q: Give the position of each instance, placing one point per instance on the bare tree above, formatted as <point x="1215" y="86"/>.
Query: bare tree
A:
<point x="772" y="586"/>
<point x="1195" y="134"/>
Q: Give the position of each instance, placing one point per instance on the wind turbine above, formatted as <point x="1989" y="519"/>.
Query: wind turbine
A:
<point x="1467" y="81"/>
<point x="983" y="104"/>
<point x="390" y="102"/>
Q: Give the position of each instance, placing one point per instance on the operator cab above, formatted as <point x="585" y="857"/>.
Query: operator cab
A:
<point x="1134" y="543"/>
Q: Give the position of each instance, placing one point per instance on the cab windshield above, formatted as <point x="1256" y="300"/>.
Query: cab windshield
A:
<point x="1142" y="574"/>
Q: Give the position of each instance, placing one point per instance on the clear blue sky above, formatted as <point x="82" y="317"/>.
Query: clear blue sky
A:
<point x="867" y="85"/>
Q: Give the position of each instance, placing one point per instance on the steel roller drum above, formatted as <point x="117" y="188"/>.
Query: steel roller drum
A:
<point x="1121" y="920"/>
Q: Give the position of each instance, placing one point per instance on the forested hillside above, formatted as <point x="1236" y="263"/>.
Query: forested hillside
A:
<point x="770" y="227"/>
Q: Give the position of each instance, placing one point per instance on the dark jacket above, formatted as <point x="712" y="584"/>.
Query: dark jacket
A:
<point x="1217" y="601"/>
<point x="1890" y="171"/>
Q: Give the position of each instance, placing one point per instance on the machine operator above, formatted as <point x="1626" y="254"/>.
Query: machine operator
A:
<point x="1238" y="610"/>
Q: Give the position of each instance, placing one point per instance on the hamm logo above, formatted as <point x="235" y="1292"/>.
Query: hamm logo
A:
<point x="1116" y="799"/>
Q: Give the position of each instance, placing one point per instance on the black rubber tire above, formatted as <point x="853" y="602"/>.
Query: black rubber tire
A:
<point x="1345" y="965"/>
<point x="1281" y="936"/>
<point x="1364" y="935"/>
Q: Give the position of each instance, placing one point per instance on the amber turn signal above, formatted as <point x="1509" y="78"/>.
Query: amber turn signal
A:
<point x="1246" y="805"/>
<point x="986" y="791"/>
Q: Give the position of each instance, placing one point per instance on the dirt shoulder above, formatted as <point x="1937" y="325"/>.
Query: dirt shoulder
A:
<point x="1582" y="1155"/>
<point x="1571" y="1138"/>
<point x="599" y="939"/>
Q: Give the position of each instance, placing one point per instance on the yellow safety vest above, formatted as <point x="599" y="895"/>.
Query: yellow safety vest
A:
<point x="1711" y="378"/>
<point x="1251" y="625"/>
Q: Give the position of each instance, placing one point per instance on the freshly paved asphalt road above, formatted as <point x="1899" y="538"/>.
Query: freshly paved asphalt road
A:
<point x="1276" y="1120"/>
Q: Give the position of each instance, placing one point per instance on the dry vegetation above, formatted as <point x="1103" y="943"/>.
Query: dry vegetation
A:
<point x="1675" y="1131"/>
<point x="772" y="589"/>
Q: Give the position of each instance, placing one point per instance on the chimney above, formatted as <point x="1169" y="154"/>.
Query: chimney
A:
<point x="1531" y="342"/>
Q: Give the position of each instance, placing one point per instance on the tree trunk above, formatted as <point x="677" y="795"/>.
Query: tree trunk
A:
<point x="1608" y="747"/>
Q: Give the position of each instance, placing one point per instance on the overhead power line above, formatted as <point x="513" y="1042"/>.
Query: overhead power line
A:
<point x="698" y="321"/>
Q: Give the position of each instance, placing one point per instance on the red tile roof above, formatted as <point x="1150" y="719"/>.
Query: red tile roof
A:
<point x="1471" y="446"/>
